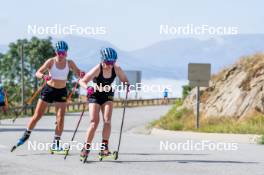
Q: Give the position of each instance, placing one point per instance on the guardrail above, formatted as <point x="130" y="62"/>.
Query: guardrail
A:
<point x="78" y="106"/>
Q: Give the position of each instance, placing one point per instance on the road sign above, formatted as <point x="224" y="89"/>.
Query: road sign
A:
<point x="199" y="83"/>
<point x="134" y="78"/>
<point x="199" y="75"/>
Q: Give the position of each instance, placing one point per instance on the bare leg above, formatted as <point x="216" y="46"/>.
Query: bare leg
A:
<point x="94" y="110"/>
<point x="107" y="114"/>
<point x="39" y="112"/>
<point x="107" y="109"/>
<point x="61" y="108"/>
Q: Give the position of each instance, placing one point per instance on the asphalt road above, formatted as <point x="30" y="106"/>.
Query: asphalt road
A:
<point x="140" y="151"/>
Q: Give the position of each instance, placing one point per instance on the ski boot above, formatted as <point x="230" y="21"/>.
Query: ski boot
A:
<point x="105" y="154"/>
<point x="22" y="140"/>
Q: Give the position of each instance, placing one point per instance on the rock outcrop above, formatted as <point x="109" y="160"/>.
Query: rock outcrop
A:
<point x="236" y="91"/>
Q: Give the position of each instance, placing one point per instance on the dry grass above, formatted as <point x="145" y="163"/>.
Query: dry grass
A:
<point x="246" y="63"/>
<point x="184" y="119"/>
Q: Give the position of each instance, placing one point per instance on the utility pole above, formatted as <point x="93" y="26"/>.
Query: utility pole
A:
<point x="22" y="75"/>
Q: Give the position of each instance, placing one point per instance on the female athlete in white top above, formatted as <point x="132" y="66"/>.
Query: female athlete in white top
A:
<point x="54" y="91"/>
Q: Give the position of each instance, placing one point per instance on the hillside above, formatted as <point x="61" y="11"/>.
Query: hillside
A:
<point x="236" y="91"/>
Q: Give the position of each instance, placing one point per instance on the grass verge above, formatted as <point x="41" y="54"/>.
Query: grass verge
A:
<point x="262" y="140"/>
<point x="184" y="119"/>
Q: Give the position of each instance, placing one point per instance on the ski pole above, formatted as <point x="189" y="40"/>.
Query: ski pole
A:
<point x="29" y="101"/>
<point x="74" y="89"/>
<point x="121" y="128"/>
<point x="76" y="129"/>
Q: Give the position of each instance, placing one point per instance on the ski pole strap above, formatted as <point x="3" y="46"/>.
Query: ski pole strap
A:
<point x="74" y="89"/>
<point x="29" y="101"/>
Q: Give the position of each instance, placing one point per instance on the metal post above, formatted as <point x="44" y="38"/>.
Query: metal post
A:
<point x="118" y="94"/>
<point x="198" y="107"/>
<point x="22" y="75"/>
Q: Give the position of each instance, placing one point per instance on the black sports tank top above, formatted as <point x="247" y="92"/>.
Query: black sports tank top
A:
<point x="100" y="80"/>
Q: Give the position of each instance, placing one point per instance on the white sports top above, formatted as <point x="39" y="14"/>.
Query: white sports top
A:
<point x="59" y="74"/>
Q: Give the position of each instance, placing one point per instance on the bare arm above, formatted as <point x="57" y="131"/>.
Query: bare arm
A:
<point x="40" y="72"/>
<point x="74" y="68"/>
<point x="94" y="72"/>
<point x="121" y="74"/>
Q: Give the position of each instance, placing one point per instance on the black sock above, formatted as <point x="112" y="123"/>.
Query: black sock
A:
<point x="28" y="132"/>
<point x="57" y="140"/>
<point x="26" y="135"/>
<point x="104" y="145"/>
<point x="87" y="146"/>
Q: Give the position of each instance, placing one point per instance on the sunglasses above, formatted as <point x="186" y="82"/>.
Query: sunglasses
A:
<point x="61" y="53"/>
<point x="109" y="62"/>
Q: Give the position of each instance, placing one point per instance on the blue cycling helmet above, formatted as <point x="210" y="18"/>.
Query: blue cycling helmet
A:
<point x="61" y="46"/>
<point x="108" y="54"/>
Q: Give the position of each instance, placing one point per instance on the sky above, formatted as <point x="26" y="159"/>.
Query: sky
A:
<point x="129" y="25"/>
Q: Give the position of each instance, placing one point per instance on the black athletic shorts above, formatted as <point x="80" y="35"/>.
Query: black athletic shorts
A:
<point x="101" y="97"/>
<point x="2" y="104"/>
<point x="50" y="94"/>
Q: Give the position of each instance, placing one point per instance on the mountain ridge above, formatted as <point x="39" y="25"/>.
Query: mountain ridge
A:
<point x="167" y="58"/>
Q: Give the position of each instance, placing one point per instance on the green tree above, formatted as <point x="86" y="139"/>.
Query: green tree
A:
<point x="1" y="65"/>
<point x="11" y="68"/>
<point x="186" y="91"/>
<point x="36" y="52"/>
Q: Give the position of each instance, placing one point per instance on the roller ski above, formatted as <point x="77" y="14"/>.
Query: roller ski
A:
<point x="22" y="140"/>
<point x="105" y="154"/>
<point x="84" y="155"/>
<point x="56" y="147"/>
<point x="58" y="150"/>
<point x="108" y="155"/>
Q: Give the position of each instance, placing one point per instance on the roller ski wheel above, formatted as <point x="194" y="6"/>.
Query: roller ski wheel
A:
<point x="51" y="151"/>
<point x="84" y="159"/>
